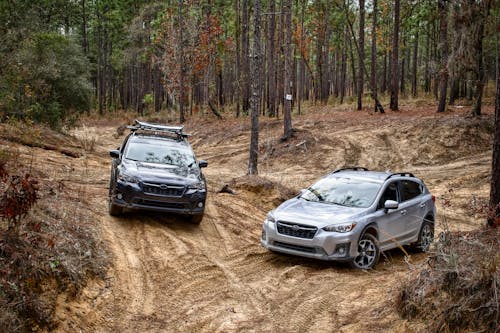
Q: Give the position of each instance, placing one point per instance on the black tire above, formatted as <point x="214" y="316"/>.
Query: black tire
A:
<point x="196" y="219"/>
<point x="425" y="237"/>
<point x="369" y="252"/>
<point x="114" y="210"/>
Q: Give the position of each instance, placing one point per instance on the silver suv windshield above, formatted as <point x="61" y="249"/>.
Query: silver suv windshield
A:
<point x="159" y="152"/>
<point x="343" y="191"/>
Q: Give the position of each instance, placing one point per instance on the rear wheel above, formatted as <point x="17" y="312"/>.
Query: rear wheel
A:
<point x="425" y="237"/>
<point x="196" y="219"/>
<point x="368" y="252"/>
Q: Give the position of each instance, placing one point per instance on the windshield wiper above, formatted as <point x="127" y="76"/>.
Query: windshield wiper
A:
<point x="317" y="194"/>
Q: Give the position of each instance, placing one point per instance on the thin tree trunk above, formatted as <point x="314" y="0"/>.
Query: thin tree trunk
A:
<point x="361" y="56"/>
<point x="245" y="59"/>
<point x="255" y="100"/>
<point x="481" y="77"/>
<point x="443" y="45"/>
<point x="180" y="48"/>
<point x="427" y="74"/>
<point x="238" y="57"/>
<point x="494" y="218"/>
<point x="271" y="70"/>
<point x="343" y="70"/>
<point x="374" y="53"/>
<point x="395" y="60"/>
<point x="415" y="66"/>
<point x="287" y="82"/>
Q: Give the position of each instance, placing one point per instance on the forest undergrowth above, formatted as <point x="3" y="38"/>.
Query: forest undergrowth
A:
<point x="49" y="240"/>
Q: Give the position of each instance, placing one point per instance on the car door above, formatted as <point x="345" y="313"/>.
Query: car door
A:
<point x="412" y="201"/>
<point x="390" y="223"/>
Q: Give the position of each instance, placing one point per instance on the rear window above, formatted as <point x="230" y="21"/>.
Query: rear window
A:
<point x="410" y="190"/>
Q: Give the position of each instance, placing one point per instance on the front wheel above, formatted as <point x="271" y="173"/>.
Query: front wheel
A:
<point x="196" y="219"/>
<point x="368" y="252"/>
<point x="114" y="210"/>
<point x="425" y="237"/>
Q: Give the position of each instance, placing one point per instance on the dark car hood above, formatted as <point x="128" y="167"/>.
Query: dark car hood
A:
<point x="154" y="171"/>
<point x="315" y="213"/>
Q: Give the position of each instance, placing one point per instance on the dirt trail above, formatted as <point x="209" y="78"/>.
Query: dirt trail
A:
<point x="170" y="276"/>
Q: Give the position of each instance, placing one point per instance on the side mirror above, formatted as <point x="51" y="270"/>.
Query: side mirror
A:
<point x="114" y="153"/>
<point x="390" y="204"/>
<point x="202" y="163"/>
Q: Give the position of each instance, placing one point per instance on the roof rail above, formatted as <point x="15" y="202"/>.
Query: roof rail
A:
<point x="351" y="168"/>
<point x="143" y="126"/>
<point x="403" y="174"/>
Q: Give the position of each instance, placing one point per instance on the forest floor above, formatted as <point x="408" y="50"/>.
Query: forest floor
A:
<point x="168" y="275"/>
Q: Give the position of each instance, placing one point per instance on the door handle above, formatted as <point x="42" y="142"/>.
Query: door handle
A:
<point x="422" y="205"/>
<point x="403" y="212"/>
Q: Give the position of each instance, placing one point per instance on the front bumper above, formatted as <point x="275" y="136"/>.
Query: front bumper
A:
<point x="323" y="246"/>
<point x="133" y="196"/>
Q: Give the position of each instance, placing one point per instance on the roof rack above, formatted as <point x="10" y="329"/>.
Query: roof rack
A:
<point x="403" y="174"/>
<point x="351" y="168"/>
<point x="143" y="126"/>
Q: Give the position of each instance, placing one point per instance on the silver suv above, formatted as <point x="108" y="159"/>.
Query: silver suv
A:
<point x="353" y="214"/>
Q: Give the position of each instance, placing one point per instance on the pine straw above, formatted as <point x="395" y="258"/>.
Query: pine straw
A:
<point x="458" y="288"/>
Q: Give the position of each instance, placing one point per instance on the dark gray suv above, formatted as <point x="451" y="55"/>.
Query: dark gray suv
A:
<point x="352" y="215"/>
<point x="155" y="169"/>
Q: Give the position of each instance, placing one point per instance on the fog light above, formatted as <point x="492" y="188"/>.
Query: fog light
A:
<point x="119" y="196"/>
<point x="342" y="249"/>
<point x="200" y="204"/>
<point x="263" y="235"/>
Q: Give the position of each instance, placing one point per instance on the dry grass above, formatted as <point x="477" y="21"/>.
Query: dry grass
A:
<point x="458" y="288"/>
<point x="54" y="250"/>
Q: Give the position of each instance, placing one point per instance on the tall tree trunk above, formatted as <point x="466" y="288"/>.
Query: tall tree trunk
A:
<point x="343" y="70"/>
<point x="271" y="71"/>
<point x="494" y="219"/>
<point x="427" y="72"/>
<point x="245" y="56"/>
<point x="443" y="46"/>
<point x="256" y="89"/>
<point x="395" y="60"/>
<point x="238" y="57"/>
<point x="100" y="74"/>
<point x="300" y="81"/>
<point x="373" y="77"/>
<point x="454" y="89"/>
<point x="361" y="56"/>
<point x="85" y="43"/>
<point x="287" y="82"/>
<point x="180" y="52"/>
<point x="404" y="58"/>
<point x="415" y="66"/>
<point x="478" y="50"/>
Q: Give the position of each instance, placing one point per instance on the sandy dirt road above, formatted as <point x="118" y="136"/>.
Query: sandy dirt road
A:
<point x="170" y="276"/>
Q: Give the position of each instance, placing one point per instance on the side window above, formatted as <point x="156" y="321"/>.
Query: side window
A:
<point x="390" y="193"/>
<point x="410" y="190"/>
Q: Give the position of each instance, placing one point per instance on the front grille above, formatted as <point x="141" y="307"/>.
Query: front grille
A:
<point x="152" y="203"/>
<point x="163" y="189"/>
<point x="296" y="230"/>
<point x="296" y="247"/>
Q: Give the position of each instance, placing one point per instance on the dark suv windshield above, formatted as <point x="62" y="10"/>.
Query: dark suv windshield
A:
<point x="159" y="151"/>
<point x="343" y="191"/>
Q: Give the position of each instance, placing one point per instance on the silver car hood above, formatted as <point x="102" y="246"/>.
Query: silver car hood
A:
<point x="316" y="213"/>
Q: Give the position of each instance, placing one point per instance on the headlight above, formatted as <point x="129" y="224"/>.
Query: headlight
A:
<point x="197" y="186"/>
<point x="125" y="177"/>
<point x="346" y="227"/>
<point x="270" y="217"/>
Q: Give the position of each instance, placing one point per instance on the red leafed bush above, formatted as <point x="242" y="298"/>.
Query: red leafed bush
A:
<point x="18" y="198"/>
